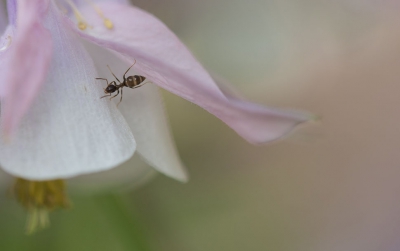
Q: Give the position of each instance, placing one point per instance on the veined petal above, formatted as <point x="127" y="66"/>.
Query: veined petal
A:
<point x="27" y="64"/>
<point x="144" y="111"/>
<point x="164" y="60"/>
<point x="68" y="130"/>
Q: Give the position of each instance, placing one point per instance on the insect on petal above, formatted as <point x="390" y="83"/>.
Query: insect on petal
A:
<point x="144" y="111"/>
<point x="163" y="59"/>
<point x="68" y="130"/>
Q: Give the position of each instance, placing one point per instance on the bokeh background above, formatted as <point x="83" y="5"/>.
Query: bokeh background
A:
<point x="332" y="185"/>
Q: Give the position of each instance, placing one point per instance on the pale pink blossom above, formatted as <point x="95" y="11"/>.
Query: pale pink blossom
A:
<point x="52" y="51"/>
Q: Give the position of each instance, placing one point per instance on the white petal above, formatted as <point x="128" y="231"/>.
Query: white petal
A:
<point x="68" y="130"/>
<point x="143" y="109"/>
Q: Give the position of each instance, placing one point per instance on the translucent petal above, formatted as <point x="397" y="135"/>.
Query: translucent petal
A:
<point x="68" y="130"/>
<point x="164" y="60"/>
<point x="144" y="111"/>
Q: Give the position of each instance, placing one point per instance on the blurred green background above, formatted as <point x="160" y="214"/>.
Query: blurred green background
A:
<point x="332" y="185"/>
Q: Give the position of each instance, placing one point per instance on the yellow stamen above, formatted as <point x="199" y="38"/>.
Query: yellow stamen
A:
<point x="5" y="47"/>
<point x="82" y="24"/>
<point x="39" y="198"/>
<point x="107" y="22"/>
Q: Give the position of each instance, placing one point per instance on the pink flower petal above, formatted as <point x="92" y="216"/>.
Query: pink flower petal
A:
<point x="5" y="53"/>
<point x="163" y="59"/>
<point x="28" y="63"/>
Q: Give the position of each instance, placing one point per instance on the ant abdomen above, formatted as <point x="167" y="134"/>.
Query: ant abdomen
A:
<point x="133" y="81"/>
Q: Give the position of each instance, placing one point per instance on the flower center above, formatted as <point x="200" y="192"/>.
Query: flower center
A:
<point x="39" y="198"/>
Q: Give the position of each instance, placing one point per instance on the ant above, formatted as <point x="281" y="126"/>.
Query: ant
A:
<point x="131" y="82"/>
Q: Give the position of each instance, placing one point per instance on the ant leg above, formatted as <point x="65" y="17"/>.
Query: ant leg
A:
<point x="129" y="69"/>
<point x="113" y="74"/>
<point x="114" y="95"/>
<point x="103" y="79"/>
<point x="106" y="96"/>
<point x="120" y="100"/>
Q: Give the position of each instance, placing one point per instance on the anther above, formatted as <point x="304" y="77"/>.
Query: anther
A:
<point x="82" y="24"/>
<point x="108" y="23"/>
<point x="5" y="47"/>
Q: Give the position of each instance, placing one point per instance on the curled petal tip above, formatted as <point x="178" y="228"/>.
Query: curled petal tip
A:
<point x="182" y="177"/>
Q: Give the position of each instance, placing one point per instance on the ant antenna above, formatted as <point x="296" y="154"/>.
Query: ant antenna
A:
<point x="113" y="74"/>
<point x="130" y="67"/>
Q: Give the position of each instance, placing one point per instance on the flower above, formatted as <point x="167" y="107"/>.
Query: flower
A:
<point x="52" y="51"/>
<point x="68" y="131"/>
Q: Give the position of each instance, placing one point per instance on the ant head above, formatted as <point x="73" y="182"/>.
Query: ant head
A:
<point x="110" y="89"/>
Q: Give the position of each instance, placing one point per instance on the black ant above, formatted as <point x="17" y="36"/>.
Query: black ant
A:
<point x="131" y="82"/>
